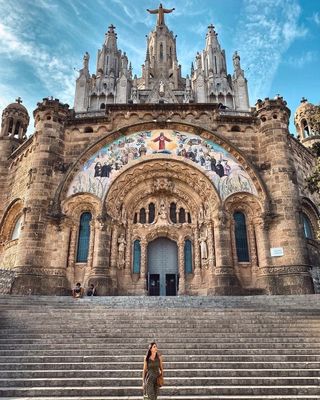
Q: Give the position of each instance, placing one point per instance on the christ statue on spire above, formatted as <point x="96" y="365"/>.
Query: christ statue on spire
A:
<point x="161" y="11"/>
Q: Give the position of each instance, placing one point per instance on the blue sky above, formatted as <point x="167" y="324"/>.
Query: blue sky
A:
<point x="42" y="43"/>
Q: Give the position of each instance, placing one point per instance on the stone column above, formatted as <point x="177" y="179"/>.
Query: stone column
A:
<point x="101" y="274"/>
<point x="225" y="280"/>
<point x="143" y="269"/>
<point x="114" y="246"/>
<point x="196" y="281"/>
<point x="211" y="258"/>
<point x="263" y="252"/>
<point x="63" y="231"/>
<point x="128" y="254"/>
<point x="197" y="261"/>
<point x="252" y="250"/>
<point x="182" y="279"/>
<point x="211" y="251"/>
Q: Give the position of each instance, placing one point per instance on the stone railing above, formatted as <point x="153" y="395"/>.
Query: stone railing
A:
<point x="235" y="113"/>
<point x="90" y="114"/>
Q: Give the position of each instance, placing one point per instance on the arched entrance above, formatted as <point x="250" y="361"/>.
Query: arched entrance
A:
<point x="162" y="267"/>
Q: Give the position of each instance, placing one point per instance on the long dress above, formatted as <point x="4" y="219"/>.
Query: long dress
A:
<point x="151" y="387"/>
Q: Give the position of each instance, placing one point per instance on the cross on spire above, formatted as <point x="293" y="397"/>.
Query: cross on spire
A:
<point x="19" y="100"/>
<point x="111" y="28"/>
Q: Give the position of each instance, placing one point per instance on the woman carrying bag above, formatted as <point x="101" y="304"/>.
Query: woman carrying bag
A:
<point x="152" y="376"/>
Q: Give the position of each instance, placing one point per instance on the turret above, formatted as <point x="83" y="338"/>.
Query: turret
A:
<point x="15" y="121"/>
<point x="307" y="123"/>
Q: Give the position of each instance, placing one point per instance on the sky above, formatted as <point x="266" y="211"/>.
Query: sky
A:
<point x="42" y="43"/>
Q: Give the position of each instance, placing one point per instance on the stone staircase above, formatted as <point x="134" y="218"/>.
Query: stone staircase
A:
<point x="257" y="347"/>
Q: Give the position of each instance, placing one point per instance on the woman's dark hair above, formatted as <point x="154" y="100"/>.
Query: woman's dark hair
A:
<point x="149" y="351"/>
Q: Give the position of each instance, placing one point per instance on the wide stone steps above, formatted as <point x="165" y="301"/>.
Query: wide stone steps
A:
<point x="175" y="365"/>
<point x="181" y="358"/>
<point x="136" y="353"/>
<point x="177" y="397"/>
<point x="51" y="345"/>
<point x="189" y="390"/>
<point x="214" y="348"/>
<point x="170" y="381"/>
<point x="186" y="373"/>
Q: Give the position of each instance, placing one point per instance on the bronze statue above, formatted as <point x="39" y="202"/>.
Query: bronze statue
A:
<point x="160" y="11"/>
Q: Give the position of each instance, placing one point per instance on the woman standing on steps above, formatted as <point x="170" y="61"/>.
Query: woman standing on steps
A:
<point x="152" y="376"/>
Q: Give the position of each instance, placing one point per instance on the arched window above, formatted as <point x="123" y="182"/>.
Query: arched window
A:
<point x="189" y="218"/>
<point x="161" y="51"/>
<point x="17" y="229"/>
<point x="305" y="128"/>
<point x="182" y="215"/>
<point x="135" y="218"/>
<point x="173" y="212"/>
<point x="188" y="256"/>
<point x="151" y="213"/>
<point x="84" y="237"/>
<point x="136" y="257"/>
<point x="16" y="130"/>
<point x="240" y="232"/>
<point x="102" y="106"/>
<point x="88" y="129"/>
<point x="143" y="217"/>
<point x="10" y="125"/>
<point x="307" y="227"/>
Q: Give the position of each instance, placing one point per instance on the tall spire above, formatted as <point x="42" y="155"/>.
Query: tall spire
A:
<point x="111" y="38"/>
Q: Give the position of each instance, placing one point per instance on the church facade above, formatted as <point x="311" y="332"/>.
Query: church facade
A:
<point x="159" y="184"/>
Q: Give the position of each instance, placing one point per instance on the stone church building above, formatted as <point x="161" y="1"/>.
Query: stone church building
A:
<point x="159" y="184"/>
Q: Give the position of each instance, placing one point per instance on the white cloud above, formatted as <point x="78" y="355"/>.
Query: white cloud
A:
<point x="54" y="72"/>
<point x="267" y="28"/>
<point x="304" y="59"/>
<point x="316" y="18"/>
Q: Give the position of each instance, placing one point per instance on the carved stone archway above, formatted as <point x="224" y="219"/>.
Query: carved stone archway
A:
<point x="161" y="198"/>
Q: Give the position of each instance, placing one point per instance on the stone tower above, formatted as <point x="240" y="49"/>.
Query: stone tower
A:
<point x="44" y="173"/>
<point x="307" y="122"/>
<point x="112" y="81"/>
<point x="283" y="213"/>
<point x="210" y="80"/>
<point x="15" y="121"/>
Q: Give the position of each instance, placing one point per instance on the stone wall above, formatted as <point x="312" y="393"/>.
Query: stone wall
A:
<point x="6" y="280"/>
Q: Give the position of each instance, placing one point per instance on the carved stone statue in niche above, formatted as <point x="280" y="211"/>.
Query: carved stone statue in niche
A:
<point x="161" y="88"/>
<point x="201" y="215"/>
<point x="162" y="214"/>
<point x="203" y="248"/>
<point x="121" y="250"/>
<point x="123" y="215"/>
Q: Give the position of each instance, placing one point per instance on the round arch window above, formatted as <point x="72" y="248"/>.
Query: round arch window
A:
<point x="17" y="229"/>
